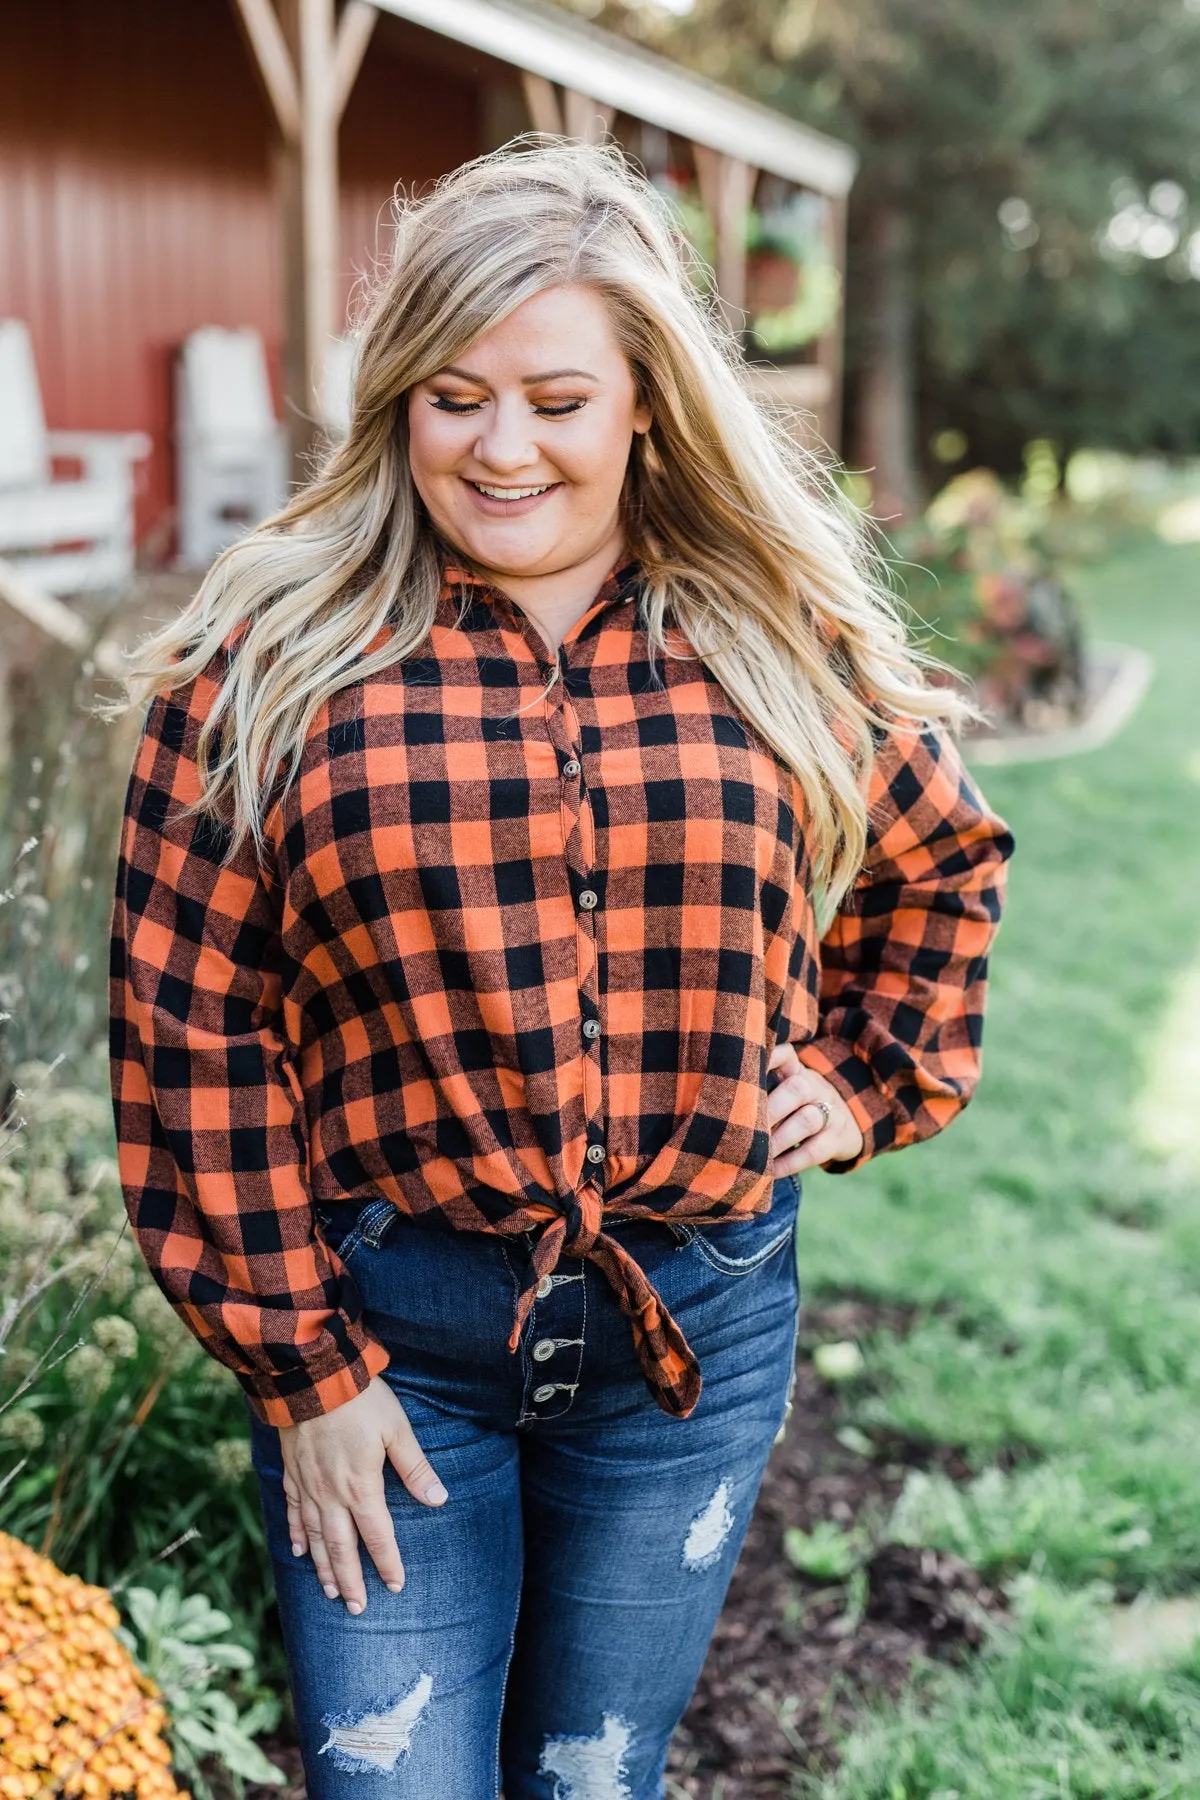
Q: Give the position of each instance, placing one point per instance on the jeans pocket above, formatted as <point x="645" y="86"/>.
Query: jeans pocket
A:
<point x="738" y="1246"/>
<point x="345" y="1232"/>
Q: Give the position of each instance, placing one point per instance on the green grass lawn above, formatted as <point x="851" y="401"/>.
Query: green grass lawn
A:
<point x="1051" y="1242"/>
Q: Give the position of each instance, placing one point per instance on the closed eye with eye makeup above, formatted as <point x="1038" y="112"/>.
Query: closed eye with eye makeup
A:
<point x="546" y="410"/>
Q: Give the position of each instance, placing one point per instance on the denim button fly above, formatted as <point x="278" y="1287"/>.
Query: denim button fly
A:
<point x="542" y="1394"/>
<point x="545" y="1286"/>
<point x="543" y="1349"/>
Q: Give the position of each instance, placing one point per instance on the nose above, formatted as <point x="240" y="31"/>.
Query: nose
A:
<point x="504" y="442"/>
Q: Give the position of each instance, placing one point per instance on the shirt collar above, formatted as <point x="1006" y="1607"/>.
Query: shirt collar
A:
<point x="458" y="580"/>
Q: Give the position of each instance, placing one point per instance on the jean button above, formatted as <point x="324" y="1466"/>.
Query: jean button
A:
<point x="543" y="1349"/>
<point x="545" y="1286"/>
<point x="542" y="1394"/>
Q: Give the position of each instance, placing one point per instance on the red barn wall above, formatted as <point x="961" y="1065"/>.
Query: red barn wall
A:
<point x="136" y="197"/>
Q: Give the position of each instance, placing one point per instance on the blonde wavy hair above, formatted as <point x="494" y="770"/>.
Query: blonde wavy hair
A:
<point x="747" y="547"/>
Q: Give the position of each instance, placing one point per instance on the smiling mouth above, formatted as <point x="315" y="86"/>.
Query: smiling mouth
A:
<point x="512" y="493"/>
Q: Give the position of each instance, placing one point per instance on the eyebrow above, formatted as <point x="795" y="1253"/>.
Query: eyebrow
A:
<point x="526" y="380"/>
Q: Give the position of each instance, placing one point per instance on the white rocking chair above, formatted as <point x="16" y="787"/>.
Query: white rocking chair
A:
<point x="65" y="537"/>
<point x="232" y="451"/>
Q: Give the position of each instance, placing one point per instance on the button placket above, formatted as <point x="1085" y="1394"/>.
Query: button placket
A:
<point x="554" y="1342"/>
<point x="581" y="861"/>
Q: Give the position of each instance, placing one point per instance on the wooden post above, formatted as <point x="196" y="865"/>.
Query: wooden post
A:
<point x="318" y="191"/>
<point x="308" y="70"/>
<point x="586" y="118"/>
<point x="353" y="35"/>
<point x="541" y="102"/>
<point x="272" y="60"/>
<point x="830" y="346"/>
<point x="727" y="188"/>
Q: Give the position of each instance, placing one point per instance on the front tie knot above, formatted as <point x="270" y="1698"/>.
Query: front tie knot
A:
<point x="668" y="1364"/>
<point x="582" y="1223"/>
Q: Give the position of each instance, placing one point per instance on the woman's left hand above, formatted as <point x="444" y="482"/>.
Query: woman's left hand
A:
<point x="810" y="1122"/>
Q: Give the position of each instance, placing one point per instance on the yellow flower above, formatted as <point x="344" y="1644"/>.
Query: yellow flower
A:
<point x="77" y="1717"/>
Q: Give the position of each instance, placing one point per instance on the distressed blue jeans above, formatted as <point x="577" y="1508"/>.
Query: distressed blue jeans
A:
<point x="557" y="1610"/>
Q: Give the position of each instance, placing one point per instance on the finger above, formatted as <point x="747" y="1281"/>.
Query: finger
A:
<point x="411" y="1465"/>
<point x="806" y="1122"/>
<point x="314" y="1532"/>
<point x="295" y="1518"/>
<point x="783" y="1060"/>
<point x="341" y="1544"/>
<point x="378" y="1534"/>
<point x="796" y="1090"/>
<point x="814" y="1151"/>
<point x="841" y="1141"/>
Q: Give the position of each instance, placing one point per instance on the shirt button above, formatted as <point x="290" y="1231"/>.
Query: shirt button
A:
<point x="588" y="899"/>
<point x="571" y="769"/>
<point x="595" y="1153"/>
<point x="543" y="1350"/>
<point x="544" y="1393"/>
<point x="591" y="1028"/>
<point x="545" y="1286"/>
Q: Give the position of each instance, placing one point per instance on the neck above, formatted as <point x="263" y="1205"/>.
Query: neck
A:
<point x="557" y="601"/>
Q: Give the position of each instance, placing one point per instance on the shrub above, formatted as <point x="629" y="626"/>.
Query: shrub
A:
<point x="976" y="574"/>
<point x="118" y="1436"/>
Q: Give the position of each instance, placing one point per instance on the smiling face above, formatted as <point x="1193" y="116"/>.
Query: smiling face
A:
<point x="519" y="449"/>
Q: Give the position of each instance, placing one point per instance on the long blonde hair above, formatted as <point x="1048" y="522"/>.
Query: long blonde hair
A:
<point x="747" y="548"/>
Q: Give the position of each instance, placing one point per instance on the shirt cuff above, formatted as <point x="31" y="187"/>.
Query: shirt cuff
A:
<point x="870" y="1108"/>
<point x="315" y="1388"/>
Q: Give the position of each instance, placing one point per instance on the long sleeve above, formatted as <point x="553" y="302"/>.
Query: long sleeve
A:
<point x="904" y="960"/>
<point x="211" y="1132"/>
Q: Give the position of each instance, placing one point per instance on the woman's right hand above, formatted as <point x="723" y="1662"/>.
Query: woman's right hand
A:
<point x="333" y="1480"/>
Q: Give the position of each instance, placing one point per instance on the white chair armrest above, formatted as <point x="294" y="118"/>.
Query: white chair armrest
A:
<point x="102" y="453"/>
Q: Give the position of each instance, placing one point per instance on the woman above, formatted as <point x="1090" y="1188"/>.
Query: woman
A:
<point x="471" y="1020"/>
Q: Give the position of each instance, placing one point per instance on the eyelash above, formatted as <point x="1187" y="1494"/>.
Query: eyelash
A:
<point x="460" y="407"/>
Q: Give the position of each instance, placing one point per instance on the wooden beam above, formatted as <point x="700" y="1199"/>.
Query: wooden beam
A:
<point x="727" y="188"/>
<point x="319" y="190"/>
<point x="541" y="101"/>
<point x="830" y="344"/>
<point x="353" y="35"/>
<point x="586" y="118"/>
<point x="262" y="31"/>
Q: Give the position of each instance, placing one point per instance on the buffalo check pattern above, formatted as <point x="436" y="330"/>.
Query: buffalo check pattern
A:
<point x="528" y="928"/>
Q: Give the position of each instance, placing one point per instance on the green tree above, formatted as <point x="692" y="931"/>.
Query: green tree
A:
<point x="1020" y="227"/>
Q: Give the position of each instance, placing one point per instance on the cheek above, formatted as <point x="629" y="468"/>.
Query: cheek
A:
<point x="434" y="445"/>
<point x="597" y="461"/>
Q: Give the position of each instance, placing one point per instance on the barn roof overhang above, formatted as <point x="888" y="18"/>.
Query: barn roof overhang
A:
<point x="545" y="41"/>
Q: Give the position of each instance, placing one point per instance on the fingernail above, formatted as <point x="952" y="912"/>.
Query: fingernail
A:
<point x="329" y="1591"/>
<point x="393" y="1587"/>
<point x="297" y="1549"/>
<point x="435" y="1493"/>
<point x="354" y="1606"/>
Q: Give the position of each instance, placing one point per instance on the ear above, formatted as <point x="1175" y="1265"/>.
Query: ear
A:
<point x="643" y="417"/>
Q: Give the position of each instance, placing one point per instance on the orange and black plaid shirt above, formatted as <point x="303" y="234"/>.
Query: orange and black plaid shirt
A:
<point x="527" y="933"/>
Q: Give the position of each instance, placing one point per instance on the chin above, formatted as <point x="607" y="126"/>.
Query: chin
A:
<point x="506" y="556"/>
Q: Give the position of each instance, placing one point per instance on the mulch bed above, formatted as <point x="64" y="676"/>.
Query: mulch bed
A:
<point x="789" y="1667"/>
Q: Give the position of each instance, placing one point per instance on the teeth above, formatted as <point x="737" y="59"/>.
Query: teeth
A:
<point x="505" y="493"/>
